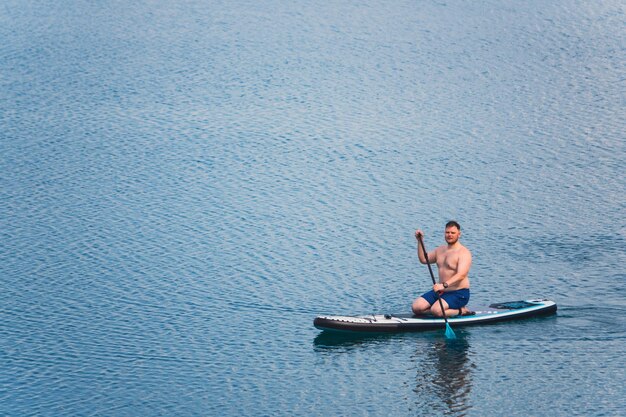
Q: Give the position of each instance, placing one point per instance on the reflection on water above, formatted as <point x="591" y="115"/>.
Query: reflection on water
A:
<point x="444" y="377"/>
<point x="443" y="367"/>
<point x="331" y="340"/>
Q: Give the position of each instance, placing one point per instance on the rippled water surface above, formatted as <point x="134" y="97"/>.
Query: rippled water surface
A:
<point x="185" y="185"/>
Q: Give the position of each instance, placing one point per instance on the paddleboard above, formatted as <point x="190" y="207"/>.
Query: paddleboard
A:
<point x="386" y="323"/>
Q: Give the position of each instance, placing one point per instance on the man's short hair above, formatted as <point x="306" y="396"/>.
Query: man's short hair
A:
<point x="453" y="223"/>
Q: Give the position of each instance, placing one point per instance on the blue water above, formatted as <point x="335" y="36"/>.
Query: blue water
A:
<point x="185" y="185"/>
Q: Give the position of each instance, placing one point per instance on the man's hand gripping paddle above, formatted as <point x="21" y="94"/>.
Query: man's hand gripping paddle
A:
<point x="449" y="332"/>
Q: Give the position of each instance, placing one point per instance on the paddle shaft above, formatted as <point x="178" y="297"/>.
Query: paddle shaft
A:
<point x="432" y="276"/>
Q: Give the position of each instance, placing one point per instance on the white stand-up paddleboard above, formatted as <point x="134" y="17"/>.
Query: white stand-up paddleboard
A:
<point x="386" y="323"/>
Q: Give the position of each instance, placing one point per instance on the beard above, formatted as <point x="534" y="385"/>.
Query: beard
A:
<point x="452" y="240"/>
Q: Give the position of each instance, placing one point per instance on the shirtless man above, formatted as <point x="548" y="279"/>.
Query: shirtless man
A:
<point x="453" y="263"/>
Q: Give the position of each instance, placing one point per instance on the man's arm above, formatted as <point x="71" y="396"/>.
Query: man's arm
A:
<point x="432" y="256"/>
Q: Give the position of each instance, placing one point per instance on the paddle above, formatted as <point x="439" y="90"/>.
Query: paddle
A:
<point x="449" y="332"/>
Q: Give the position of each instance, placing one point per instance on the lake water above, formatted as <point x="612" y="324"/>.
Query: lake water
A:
<point x="186" y="184"/>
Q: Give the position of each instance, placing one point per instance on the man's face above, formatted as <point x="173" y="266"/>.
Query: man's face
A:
<point x="452" y="235"/>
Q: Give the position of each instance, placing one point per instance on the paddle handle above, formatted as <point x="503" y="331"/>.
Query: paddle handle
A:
<point x="430" y="269"/>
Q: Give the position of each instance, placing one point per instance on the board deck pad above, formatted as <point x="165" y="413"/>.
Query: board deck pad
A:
<point x="386" y="323"/>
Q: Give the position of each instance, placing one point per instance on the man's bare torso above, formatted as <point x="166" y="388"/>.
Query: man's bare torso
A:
<point x="448" y="261"/>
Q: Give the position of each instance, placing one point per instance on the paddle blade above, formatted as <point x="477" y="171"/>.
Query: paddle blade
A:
<point x="449" y="332"/>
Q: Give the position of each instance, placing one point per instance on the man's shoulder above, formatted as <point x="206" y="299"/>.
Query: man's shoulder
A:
<point x="465" y="251"/>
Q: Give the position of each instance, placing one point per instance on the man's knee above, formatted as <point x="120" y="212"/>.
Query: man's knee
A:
<point x="436" y="311"/>
<point x="420" y="305"/>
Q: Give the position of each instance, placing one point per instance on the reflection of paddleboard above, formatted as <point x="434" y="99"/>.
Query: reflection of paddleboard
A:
<point x="385" y="323"/>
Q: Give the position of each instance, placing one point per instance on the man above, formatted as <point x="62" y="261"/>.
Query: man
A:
<point x="453" y="263"/>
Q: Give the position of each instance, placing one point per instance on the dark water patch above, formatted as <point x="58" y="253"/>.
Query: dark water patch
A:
<point x="575" y="250"/>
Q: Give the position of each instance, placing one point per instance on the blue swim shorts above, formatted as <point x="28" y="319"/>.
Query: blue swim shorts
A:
<point x="455" y="299"/>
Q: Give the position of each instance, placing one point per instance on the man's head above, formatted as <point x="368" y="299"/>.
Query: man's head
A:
<point x="453" y="232"/>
